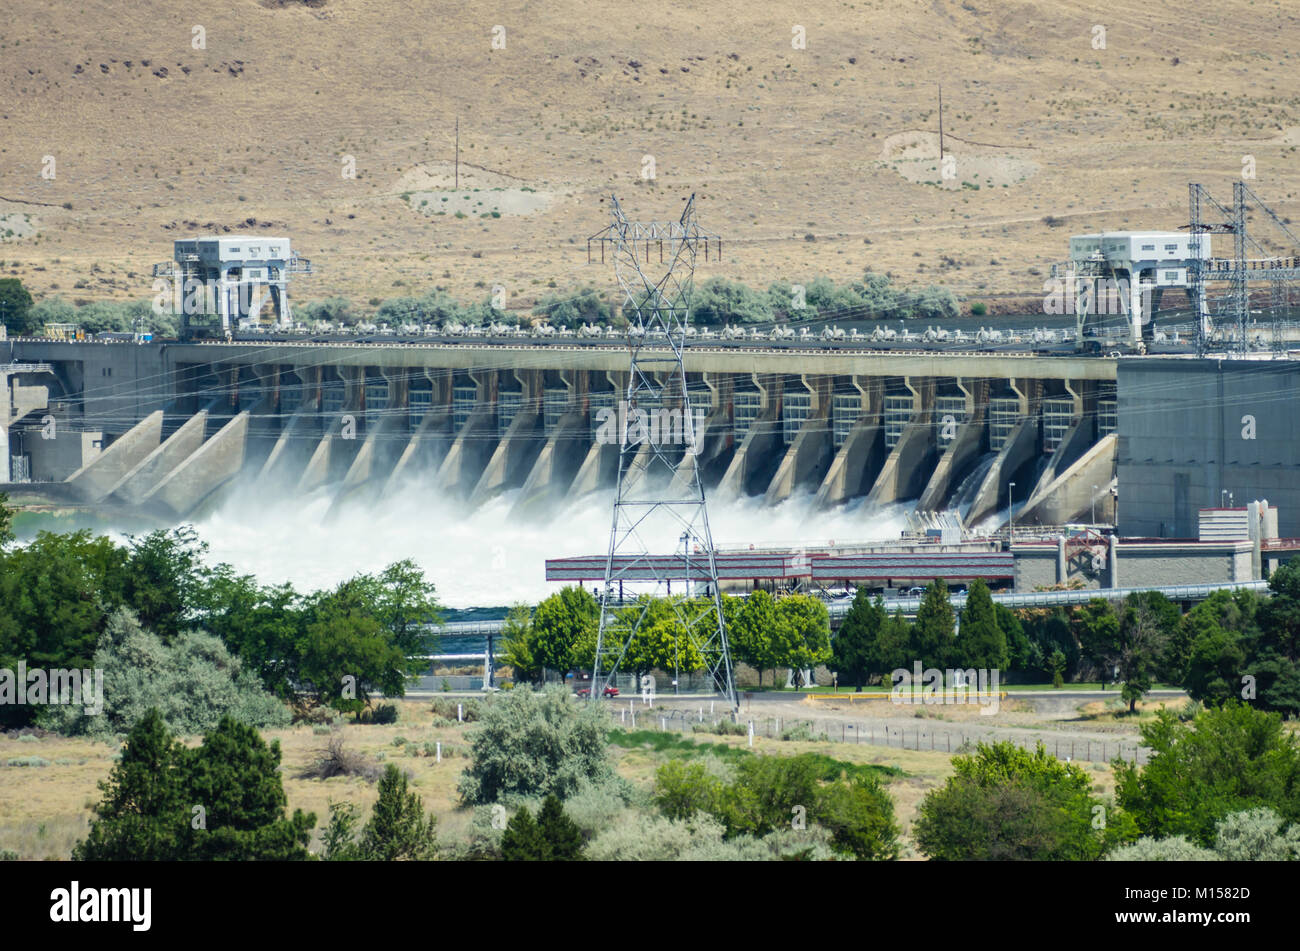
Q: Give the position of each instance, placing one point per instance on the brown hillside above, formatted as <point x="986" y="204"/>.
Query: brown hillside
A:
<point x="800" y="157"/>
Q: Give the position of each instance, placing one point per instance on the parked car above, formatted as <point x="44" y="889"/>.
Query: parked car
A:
<point x="609" y="692"/>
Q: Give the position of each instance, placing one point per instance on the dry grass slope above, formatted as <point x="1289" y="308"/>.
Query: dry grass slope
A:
<point x="153" y="138"/>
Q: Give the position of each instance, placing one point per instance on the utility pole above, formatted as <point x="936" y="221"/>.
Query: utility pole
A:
<point x="941" y="123"/>
<point x="458" y="153"/>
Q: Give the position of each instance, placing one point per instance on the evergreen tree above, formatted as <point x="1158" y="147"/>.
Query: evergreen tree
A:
<point x="561" y="834"/>
<point x="982" y="644"/>
<point x="144" y="815"/>
<point x="851" y="649"/>
<point x="522" y="840"/>
<point x="234" y="777"/>
<point x="892" y="647"/>
<point x="224" y="800"/>
<point x="398" y="828"/>
<point x="933" y="641"/>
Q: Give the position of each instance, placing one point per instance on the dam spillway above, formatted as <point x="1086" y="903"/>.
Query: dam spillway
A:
<point x="167" y="427"/>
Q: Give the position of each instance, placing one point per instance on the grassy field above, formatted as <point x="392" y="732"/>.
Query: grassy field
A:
<point x="45" y="809"/>
<point x="121" y="132"/>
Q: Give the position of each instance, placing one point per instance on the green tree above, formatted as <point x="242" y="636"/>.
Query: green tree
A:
<point x="1220" y="631"/>
<point x="518" y="647"/>
<point x="1096" y="627"/>
<point x="263" y="625"/>
<point x="1020" y="655"/>
<point x="145" y="813"/>
<point x="15" y="307"/>
<point x="684" y="788"/>
<point x="981" y="644"/>
<point x="522" y="840"/>
<point x="757" y="632"/>
<point x="234" y="776"/>
<point x="808" y="627"/>
<point x="933" y="640"/>
<point x="1007" y="803"/>
<point x="398" y="828"/>
<point x="532" y="743"/>
<point x="345" y="654"/>
<point x="56" y="595"/>
<point x="6" y="522"/>
<point x="1143" y="641"/>
<point x="339" y="840"/>
<point x="561" y="834"/>
<point x="161" y="578"/>
<point x="223" y="800"/>
<point x="404" y="603"/>
<point x="1229" y="759"/>
<point x="852" y="647"/>
<point x="560" y="624"/>
<point x="860" y="817"/>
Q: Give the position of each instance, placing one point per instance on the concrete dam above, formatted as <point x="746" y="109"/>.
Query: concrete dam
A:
<point x="167" y="428"/>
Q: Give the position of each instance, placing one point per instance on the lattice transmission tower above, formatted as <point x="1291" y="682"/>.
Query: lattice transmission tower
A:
<point x="659" y="501"/>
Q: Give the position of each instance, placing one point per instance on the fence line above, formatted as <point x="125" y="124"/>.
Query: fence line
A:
<point x="918" y="738"/>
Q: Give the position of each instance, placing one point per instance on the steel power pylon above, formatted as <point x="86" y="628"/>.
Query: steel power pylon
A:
<point x="659" y="499"/>
<point x="1280" y="268"/>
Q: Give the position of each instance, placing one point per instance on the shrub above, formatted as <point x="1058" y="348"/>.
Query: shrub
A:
<point x="1173" y="849"/>
<point x="337" y="760"/>
<point x="1257" y="835"/>
<point x="722" y="728"/>
<point x="1007" y="803"/>
<point x="27" y="761"/>
<point x="194" y="683"/>
<point x="445" y="707"/>
<point x="1227" y="760"/>
<point x="535" y="743"/>
<point x="381" y="715"/>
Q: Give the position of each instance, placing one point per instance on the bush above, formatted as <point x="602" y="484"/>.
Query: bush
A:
<point x="535" y="743"/>
<point x="1173" y="849"/>
<point x="722" y="728"/>
<point x="445" y="707"/>
<point x="337" y="760"/>
<point x="381" y="715"/>
<point x="1229" y="759"/>
<point x="27" y="761"/>
<point x="194" y="683"/>
<point x="1008" y="803"/>
<point x="1257" y="835"/>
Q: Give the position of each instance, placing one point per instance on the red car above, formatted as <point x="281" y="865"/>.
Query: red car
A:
<point x="609" y="692"/>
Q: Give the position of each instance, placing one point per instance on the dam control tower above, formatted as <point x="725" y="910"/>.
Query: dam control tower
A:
<point x="220" y="284"/>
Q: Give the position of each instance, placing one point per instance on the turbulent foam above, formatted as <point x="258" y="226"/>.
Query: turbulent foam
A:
<point x="485" y="556"/>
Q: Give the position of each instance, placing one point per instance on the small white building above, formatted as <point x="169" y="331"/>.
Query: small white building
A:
<point x="1139" y="263"/>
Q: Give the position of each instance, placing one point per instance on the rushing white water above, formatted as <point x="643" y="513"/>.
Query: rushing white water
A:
<point x="485" y="556"/>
